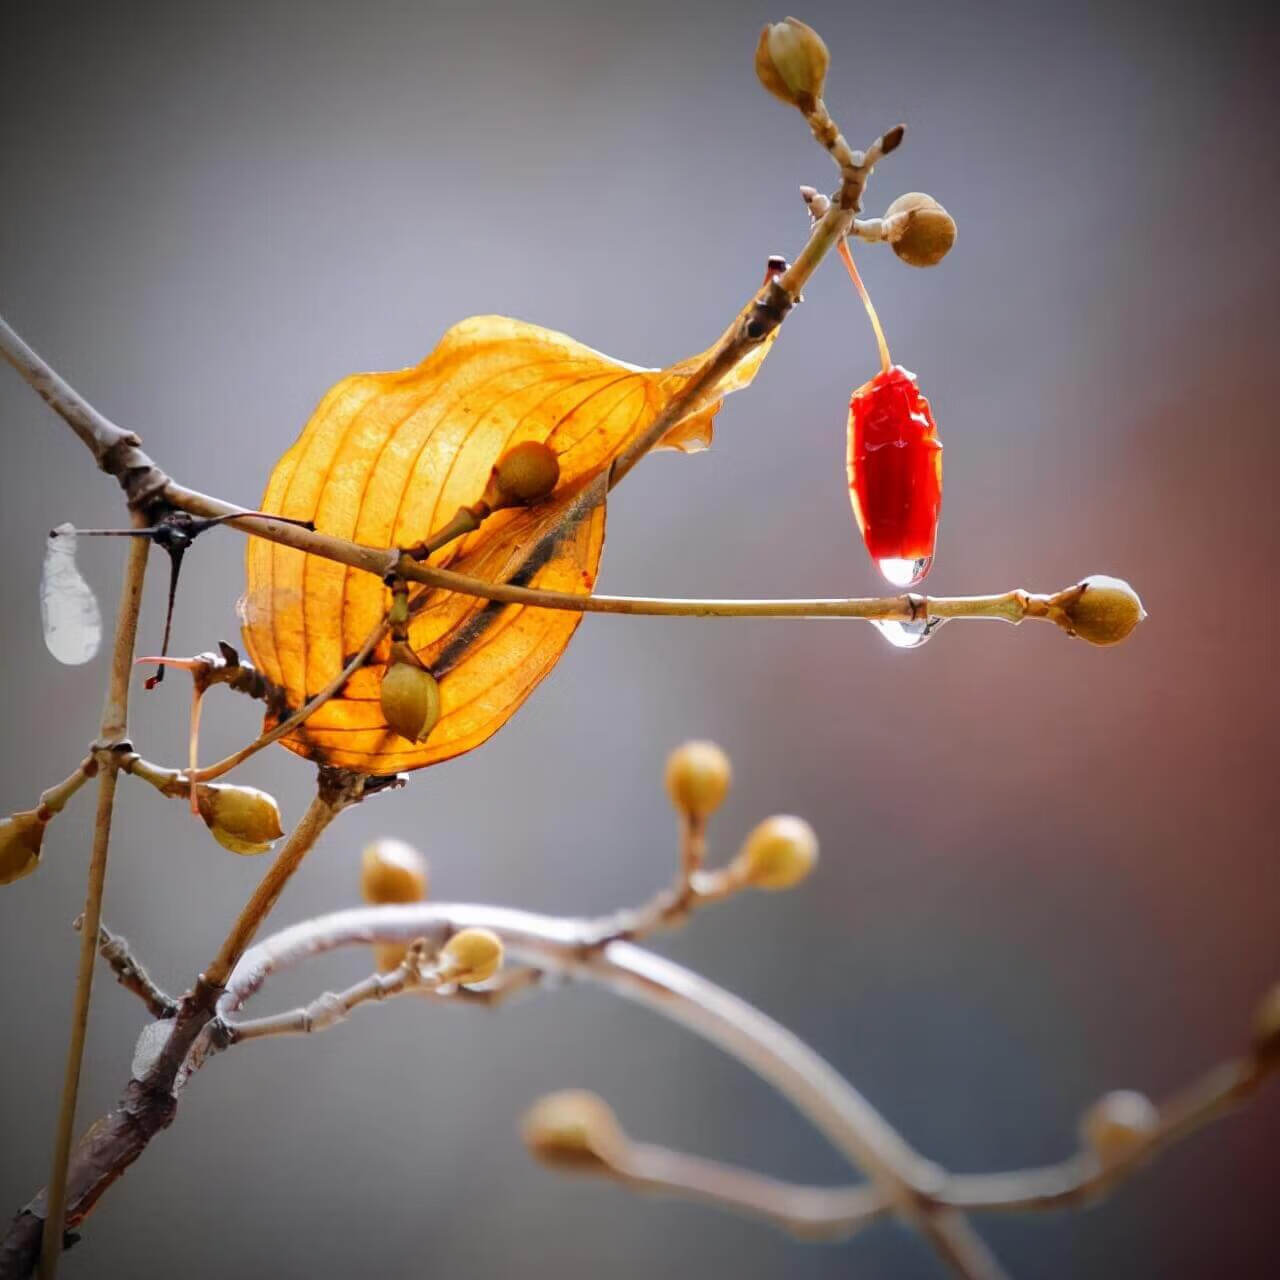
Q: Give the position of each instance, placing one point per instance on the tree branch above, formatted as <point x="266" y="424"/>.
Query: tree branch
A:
<point x="130" y="973"/>
<point x="112" y="728"/>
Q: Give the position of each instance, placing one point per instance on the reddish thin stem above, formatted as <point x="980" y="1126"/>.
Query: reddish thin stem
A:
<point x="847" y="257"/>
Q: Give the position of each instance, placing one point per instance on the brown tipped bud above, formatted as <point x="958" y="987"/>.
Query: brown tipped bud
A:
<point x="1101" y="609"/>
<point x="392" y="871"/>
<point x="471" y="956"/>
<point x="573" y="1129"/>
<point x="242" y="819"/>
<point x="409" y="696"/>
<point x="1118" y="1125"/>
<point x="779" y="853"/>
<point x="791" y="62"/>
<point x="1266" y="1024"/>
<point x="920" y="230"/>
<point x="698" y="777"/>
<point x="21" y="835"/>
<point x="527" y="472"/>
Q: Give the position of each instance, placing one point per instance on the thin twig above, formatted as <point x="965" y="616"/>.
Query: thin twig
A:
<point x="326" y="806"/>
<point x="111" y="729"/>
<point x="811" y="1213"/>
<point x="130" y="973"/>
<point x="53" y="800"/>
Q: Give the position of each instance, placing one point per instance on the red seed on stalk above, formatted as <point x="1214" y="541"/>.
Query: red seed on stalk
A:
<point x="895" y="474"/>
<point x="895" y="463"/>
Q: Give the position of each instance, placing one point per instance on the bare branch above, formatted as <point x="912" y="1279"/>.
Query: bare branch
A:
<point x="130" y="973"/>
<point x="112" y="728"/>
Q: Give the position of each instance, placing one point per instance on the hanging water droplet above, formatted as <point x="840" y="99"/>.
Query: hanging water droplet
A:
<point x="904" y="573"/>
<point x="68" y="609"/>
<point x="907" y="635"/>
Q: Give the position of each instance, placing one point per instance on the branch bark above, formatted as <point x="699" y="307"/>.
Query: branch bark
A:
<point x="112" y="729"/>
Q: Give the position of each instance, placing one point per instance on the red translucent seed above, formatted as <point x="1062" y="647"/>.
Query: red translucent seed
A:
<point x="895" y="474"/>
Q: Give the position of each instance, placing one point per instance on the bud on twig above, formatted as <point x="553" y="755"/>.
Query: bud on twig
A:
<point x="391" y="872"/>
<point x="698" y="777"/>
<point x="409" y="695"/>
<point x="527" y="472"/>
<point x="573" y="1129"/>
<point x="471" y="956"/>
<point x="779" y="853"/>
<point x="21" y="836"/>
<point x="1101" y="609"/>
<point x="1117" y="1125"/>
<point x="242" y="819"/>
<point x="1266" y="1024"/>
<point x="919" y="229"/>
<point x="791" y="62"/>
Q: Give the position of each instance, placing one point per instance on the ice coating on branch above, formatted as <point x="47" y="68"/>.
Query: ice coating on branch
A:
<point x="69" y="610"/>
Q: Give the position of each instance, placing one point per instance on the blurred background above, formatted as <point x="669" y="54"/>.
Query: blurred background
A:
<point x="1048" y="870"/>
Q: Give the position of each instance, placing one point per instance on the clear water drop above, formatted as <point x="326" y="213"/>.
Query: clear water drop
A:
<point x="907" y="635"/>
<point x="69" y="610"/>
<point x="904" y="573"/>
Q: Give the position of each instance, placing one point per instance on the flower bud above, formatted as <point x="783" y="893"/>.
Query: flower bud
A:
<point x="527" y="472"/>
<point x="698" y="777"/>
<point x="573" y="1129"/>
<point x="1101" y="609"/>
<point x="21" y="835"/>
<point x="471" y="956"/>
<point x="392" y="871"/>
<point x="791" y="62"/>
<point x="1117" y="1125"/>
<point x="409" y="696"/>
<point x="242" y="819"/>
<point x="919" y="229"/>
<point x="1266" y="1023"/>
<point x="388" y="956"/>
<point x="779" y="853"/>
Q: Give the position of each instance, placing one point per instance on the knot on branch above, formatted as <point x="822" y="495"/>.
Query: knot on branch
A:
<point x="142" y="481"/>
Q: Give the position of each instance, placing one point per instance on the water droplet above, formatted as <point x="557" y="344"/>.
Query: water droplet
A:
<point x="68" y="609"/>
<point x="904" y="573"/>
<point x="907" y="635"/>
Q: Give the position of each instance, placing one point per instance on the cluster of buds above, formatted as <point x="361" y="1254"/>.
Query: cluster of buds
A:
<point x="777" y="854"/>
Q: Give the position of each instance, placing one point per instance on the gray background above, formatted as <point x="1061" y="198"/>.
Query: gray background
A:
<point x="1048" y="870"/>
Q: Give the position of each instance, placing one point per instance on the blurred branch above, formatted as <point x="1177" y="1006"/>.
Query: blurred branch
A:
<point x="565" y="948"/>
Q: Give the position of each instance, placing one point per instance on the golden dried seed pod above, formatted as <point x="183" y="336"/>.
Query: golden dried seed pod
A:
<point x="572" y="1129"/>
<point x="1117" y="1125"/>
<point x="472" y="955"/>
<point x="1101" y="609"/>
<point x="410" y="700"/>
<point x="21" y="835"/>
<point x="242" y="819"/>
<point x="919" y="229"/>
<point x="698" y="777"/>
<point x="527" y="472"/>
<point x="777" y="854"/>
<point x="791" y="62"/>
